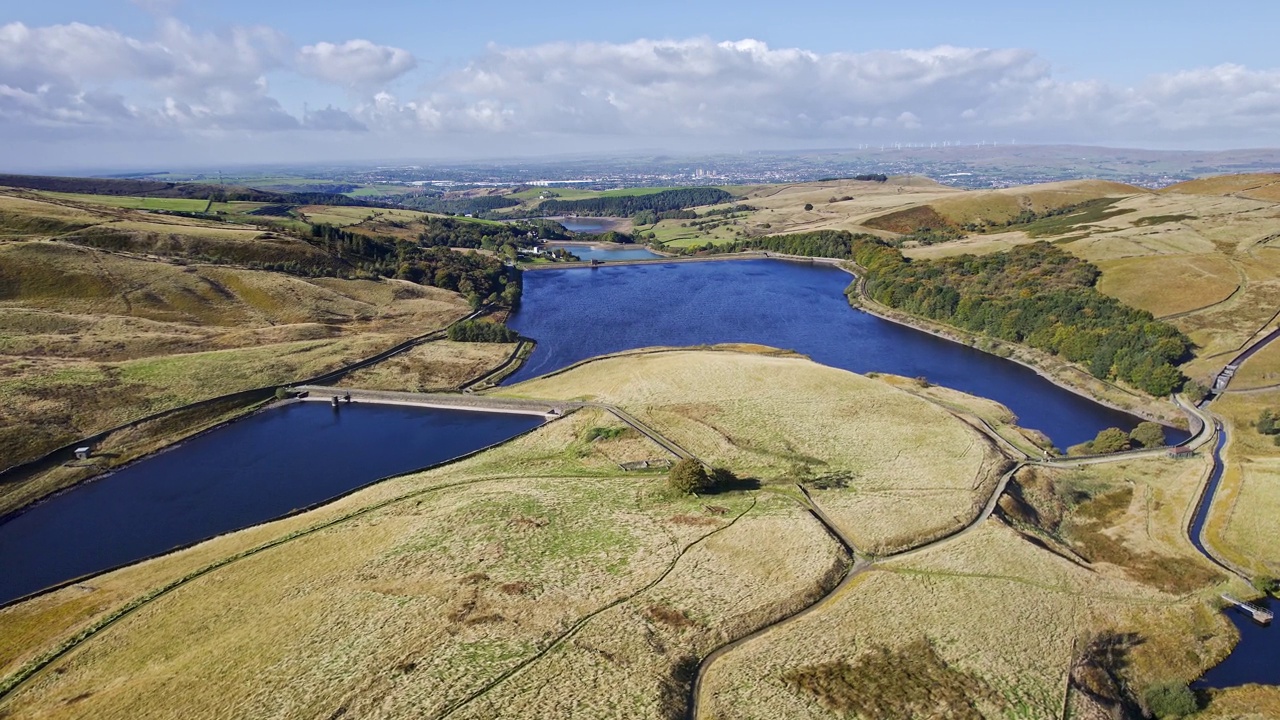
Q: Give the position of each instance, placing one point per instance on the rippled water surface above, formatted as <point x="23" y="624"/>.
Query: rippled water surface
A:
<point x="245" y="473"/>
<point x="579" y="313"/>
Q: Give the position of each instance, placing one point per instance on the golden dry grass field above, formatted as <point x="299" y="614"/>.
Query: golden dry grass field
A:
<point x="1003" y="618"/>
<point x="1246" y="515"/>
<point x="914" y="470"/>
<point x="434" y="366"/>
<point x="505" y="576"/>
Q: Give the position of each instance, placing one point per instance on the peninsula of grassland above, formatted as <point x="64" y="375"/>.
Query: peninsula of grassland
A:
<point x="540" y="578"/>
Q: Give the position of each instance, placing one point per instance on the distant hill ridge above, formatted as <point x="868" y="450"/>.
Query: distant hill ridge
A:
<point x="157" y="189"/>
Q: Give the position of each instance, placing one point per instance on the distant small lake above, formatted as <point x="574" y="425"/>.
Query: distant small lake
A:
<point x="592" y="252"/>
<point x="249" y="472"/>
<point x="578" y="314"/>
<point x="586" y="224"/>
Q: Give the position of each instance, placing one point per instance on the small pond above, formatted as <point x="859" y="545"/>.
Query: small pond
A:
<point x="608" y="252"/>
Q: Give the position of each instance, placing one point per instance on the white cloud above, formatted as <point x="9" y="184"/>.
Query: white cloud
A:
<point x="355" y="63"/>
<point x="702" y="88"/>
<point x="79" y="81"/>
<point x="71" y="77"/>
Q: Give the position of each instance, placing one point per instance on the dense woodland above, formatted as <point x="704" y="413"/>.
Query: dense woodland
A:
<point x="448" y="232"/>
<point x="1036" y="294"/>
<point x="480" y="278"/>
<point x="629" y="205"/>
<point x="478" y="206"/>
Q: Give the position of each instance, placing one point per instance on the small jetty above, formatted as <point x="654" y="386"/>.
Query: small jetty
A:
<point x="1260" y="615"/>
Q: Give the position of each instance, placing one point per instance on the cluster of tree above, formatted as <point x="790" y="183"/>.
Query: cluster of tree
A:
<point x="482" y="331"/>
<point x="629" y="205"/>
<point x="480" y="206"/>
<point x="480" y="278"/>
<point x="506" y="239"/>
<point x="1111" y="440"/>
<point x="688" y="476"/>
<point x="1038" y="295"/>
<point x="609" y="236"/>
<point x="930" y="236"/>
<point x="820" y="243"/>
<point x="733" y="210"/>
<point x="1035" y="294"/>
<point x="1269" y="424"/>
<point x="651" y="217"/>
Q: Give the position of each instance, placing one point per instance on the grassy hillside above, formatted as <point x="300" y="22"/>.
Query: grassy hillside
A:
<point x="495" y="586"/>
<point x="112" y="313"/>
<point x="90" y="340"/>
<point x="1258" y="186"/>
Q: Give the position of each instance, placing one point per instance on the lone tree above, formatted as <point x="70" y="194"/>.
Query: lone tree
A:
<point x="687" y="476"/>
<point x="1148" y="434"/>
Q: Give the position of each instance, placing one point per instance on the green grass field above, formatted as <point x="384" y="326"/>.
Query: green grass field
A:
<point x="134" y="203"/>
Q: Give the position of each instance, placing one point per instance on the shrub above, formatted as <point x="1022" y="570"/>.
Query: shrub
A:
<point x="1195" y="391"/>
<point x="282" y="393"/>
<point x="687" y="477"/>
<point x="1171" y="699"/>
<point x="1108" y="441"/>
<point x="605" y="433"/>
<point x="1148" y="434"/>
<point x="808" y="206"/>
<point x="1268" y="423"/>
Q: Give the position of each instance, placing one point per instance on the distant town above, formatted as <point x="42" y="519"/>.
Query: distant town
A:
<point x="964" y="166"/>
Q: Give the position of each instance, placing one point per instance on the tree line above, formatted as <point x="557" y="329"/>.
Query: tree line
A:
<point x="458" y="206"/>
<point x="629" y="205"/>
<point x="1035" y="294"/>
<point x="482" y="331"/>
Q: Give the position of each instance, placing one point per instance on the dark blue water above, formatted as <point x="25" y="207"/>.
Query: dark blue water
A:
<point x="588" y="252"/>
<point x="577" y="314"/>
<point x="1210" y="489"/>
<point x="248" y="472"/>
<point x="1254" y="658"/>
<point x="585" y="224"/>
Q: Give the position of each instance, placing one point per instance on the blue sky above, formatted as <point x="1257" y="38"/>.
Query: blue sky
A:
<point x="114" y="81"/>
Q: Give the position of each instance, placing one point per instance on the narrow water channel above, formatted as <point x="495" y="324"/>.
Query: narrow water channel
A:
<point x="1256" y="658"/>
<point x="248" y="472"/>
